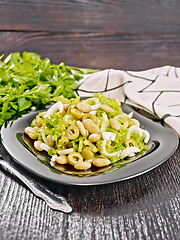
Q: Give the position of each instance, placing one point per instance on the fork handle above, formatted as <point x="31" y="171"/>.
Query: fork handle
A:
<point x="54" y="201"/>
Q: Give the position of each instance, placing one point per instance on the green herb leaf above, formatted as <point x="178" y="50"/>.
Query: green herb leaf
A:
<point x="23" y="104"/>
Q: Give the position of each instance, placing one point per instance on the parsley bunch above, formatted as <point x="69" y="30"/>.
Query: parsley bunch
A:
<point x="28" y="81"/>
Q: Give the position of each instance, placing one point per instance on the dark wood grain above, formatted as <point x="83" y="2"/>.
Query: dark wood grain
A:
<point x="127" y="35"/>
<point x="128" y="16"/>
<point x="98" y="51"/>
<point x="145" y="207"/>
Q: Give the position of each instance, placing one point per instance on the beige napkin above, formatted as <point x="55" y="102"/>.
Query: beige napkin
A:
<point x="156" y="91"/>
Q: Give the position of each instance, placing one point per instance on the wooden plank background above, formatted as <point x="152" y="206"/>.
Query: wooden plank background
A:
<point x="126" y="34"/>
<point x="99" y="34"/>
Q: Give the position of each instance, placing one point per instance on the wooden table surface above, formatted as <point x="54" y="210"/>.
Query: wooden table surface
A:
<point x="126" y="35"/>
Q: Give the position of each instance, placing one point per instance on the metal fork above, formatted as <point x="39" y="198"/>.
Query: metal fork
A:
<point x="54" y="201"/>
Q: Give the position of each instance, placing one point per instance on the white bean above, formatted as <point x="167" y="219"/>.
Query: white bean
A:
<point x="37" y="145"/>
<point x="50" y="141"/>
<point x="94" y="137"/>
<point x="101" y="162"/>
<point x="31" y="132"/>
<point x="114" y="124"/>
<point x="44" y="146"/>
<point x="90" y="126"/>
<point x="63" y="159"/>
<point x="106" y="108"/>
<point x="39" y="122"/>
<point x="84" y="107"/>
<point x="82" y="165"/>
<point x="66" y="151"/>
<point x="81" y="128"/>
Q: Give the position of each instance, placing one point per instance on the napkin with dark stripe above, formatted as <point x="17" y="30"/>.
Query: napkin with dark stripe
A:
<point x="156" y="91"/>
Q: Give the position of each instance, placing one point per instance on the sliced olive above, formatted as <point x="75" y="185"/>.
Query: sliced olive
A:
<point x="72" y="132"/>
<point x="74" y="158"/>
<point x="90" y="116"/>
<point x="76" y="113"/>
<point x="131" y="142"/>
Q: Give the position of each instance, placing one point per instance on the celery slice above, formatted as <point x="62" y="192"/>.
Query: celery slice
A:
<point x="103" y="151"/>
<point x="105" y="122"/>
<point x="80" y="145"/>
<point x="91" y="145"/>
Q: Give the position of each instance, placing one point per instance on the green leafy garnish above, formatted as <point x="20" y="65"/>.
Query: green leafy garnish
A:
<point x="29" y="81"/>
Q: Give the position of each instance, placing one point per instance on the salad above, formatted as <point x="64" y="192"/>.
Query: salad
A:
<point x="85" y="133"/>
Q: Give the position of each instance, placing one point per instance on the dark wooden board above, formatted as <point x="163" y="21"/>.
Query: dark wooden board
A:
<point x="145" y="207"/>
<point x="125" y="16"/>
<point x="119" y="34"/>
<point x="98" y="51"/>
<point x="127" y="35"/>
